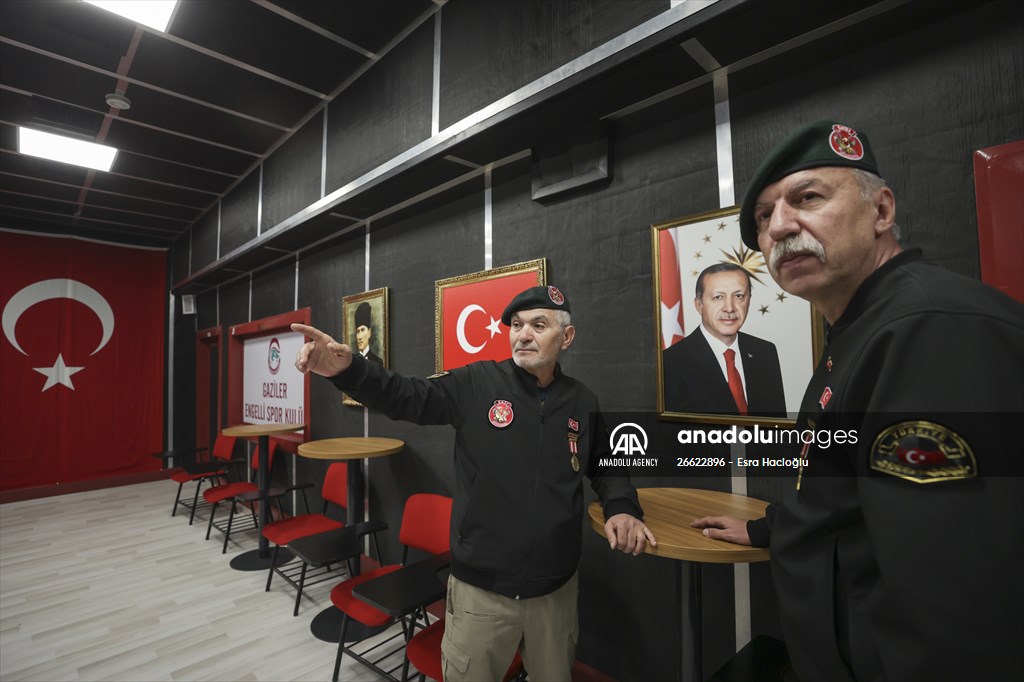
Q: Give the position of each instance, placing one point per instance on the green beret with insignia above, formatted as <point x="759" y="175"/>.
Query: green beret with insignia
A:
<point x="549" y="298"/>
<point x="822" y="143"/>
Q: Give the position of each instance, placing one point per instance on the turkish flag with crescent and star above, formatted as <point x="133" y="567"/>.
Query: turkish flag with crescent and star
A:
<point x="471" y="325"/>
<point x="81" y="359"/>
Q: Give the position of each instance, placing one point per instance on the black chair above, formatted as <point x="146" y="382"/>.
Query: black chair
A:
<point x="200" y="465"/>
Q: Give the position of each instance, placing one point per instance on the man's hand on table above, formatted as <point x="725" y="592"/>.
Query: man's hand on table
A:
<point x="628" y="533"/>
<point x="726" y="528"/>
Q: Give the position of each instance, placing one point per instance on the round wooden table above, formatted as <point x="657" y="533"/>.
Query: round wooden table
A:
<point x="668" y="512"/>
<point x="259" y="559"/>
<point x="327" y="624"/>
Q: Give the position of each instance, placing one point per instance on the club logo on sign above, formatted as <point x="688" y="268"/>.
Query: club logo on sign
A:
<point x="274" y="356"/>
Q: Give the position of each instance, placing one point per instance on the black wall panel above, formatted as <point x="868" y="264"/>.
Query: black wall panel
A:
<point x="204" y="240"/>
<point x="180" y="254"/>
<point x="926" y="99"/>
<point x="291" y="175"/>
<point x="238" y="211"/>
<point x="234" y="302"/>
<point x="183" y="379"/>
<point x="206" y="309"/>
<point x="273" y="289"/>
<point x="490" y="49"/>
<point x="408" y="256"/>
<point x="383" y="113"/>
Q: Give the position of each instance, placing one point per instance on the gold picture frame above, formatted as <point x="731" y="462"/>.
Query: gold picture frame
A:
<point x="368" y="311"/>
<point x="776" y="323"/>
<point x="467" y="312"/>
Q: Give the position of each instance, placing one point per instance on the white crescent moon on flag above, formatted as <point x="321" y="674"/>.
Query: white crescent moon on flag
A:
<point x="460" y="329"/>
<point x="57" y="288"/>
<point x="914" y="457"/>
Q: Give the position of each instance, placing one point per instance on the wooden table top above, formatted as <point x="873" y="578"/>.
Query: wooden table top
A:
<point x="669" y="511"/>
<point x="350" y="448"/>
<point x="249" y="430"/>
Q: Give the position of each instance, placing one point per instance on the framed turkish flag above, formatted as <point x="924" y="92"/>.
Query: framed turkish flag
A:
<point x="467" y="313"/>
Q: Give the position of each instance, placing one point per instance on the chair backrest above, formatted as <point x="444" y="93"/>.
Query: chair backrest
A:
<point x="335" y="487"/>
<point x="426" y="523"/>
<point x="270" y="458"/>
<point x="224" y="447"/>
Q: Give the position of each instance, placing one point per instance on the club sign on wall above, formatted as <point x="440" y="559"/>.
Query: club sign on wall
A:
<point x="272" y="389"/>
<point x="467" y="312"/>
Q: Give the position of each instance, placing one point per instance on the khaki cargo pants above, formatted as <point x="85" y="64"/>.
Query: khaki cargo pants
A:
<point x="483" y="630"/>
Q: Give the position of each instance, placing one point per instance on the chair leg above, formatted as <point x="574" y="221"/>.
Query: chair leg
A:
<point x="227" y="532"/>
<point x="298" y="596"/>
<point x="341" y="647"/>
<point x="174" y="510"/>
<point x="405" y="666"/>
<point x="195" y="503"/>
<point x="213" y="512"/>
<point x="273" y="562"/>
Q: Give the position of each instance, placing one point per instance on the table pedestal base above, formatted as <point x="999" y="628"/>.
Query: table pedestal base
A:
<point x="326" y="626"/>
<point x="252" y="561"/>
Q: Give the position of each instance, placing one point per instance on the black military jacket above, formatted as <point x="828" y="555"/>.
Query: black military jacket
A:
<point x="899" y="556"/>
<point x="518" y="499"/>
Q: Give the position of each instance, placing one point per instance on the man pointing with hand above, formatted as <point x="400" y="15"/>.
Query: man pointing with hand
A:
<point x="526" y="434"/>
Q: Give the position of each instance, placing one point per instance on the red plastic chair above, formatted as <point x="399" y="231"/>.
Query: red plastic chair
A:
<point x="229" y="491"/>
<point x="286" y="531"/>
<point x="426" y="525"/>
<point x="423" y="651"/>
<point x="197" y="468"/>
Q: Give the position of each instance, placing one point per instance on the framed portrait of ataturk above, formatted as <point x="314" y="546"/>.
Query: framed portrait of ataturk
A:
<point x="364" y="327"/>
<point x="731" y="346"/>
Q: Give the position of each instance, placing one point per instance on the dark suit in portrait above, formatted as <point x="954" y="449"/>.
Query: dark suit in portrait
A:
<point x="373" y="357"/>
<point x="694" y="381"/>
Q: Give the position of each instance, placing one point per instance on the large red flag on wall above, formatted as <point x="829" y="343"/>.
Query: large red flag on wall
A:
<point x="81" y="359"/>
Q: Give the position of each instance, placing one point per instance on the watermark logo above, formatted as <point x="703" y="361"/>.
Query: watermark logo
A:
<point x="628" y="439"/>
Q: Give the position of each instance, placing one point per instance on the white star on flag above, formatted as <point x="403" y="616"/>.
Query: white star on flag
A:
<point x="493" y="327"/>
<point x="58" y="374"/>
<point x="670" y="327"/>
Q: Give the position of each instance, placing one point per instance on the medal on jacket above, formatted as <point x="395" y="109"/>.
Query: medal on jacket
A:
<point x="575" y="461"/>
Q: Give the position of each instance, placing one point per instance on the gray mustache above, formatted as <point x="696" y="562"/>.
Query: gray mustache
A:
<point x="797" y="245"/>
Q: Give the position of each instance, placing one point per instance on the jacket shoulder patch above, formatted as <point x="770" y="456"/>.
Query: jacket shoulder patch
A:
<point x="923" y="452"/>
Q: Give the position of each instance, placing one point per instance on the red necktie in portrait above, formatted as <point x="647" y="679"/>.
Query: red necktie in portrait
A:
<point x="735" y="382"/>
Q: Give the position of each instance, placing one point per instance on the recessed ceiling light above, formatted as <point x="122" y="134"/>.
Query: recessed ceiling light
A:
<point x="65" y="149"/>
<point x="153" y="13"/>
<point x="118" y="101"/>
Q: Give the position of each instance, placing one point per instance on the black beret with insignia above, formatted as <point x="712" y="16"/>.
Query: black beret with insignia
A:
<point x="549" y="298"/>
<point x="822" y="143"/>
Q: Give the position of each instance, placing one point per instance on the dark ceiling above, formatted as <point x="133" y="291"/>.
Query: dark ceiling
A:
<point x="228" y="83"/>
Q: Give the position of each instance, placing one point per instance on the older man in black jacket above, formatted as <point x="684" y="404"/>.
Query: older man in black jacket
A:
<point x="526" y="434"/>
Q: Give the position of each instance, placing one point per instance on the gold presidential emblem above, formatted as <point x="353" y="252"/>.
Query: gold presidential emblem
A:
<point x="923" y="452"/>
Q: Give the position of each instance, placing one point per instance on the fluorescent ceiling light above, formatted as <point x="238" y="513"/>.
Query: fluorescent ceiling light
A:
<point x="65" y="149"/>
<point x="153" y="13"/>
